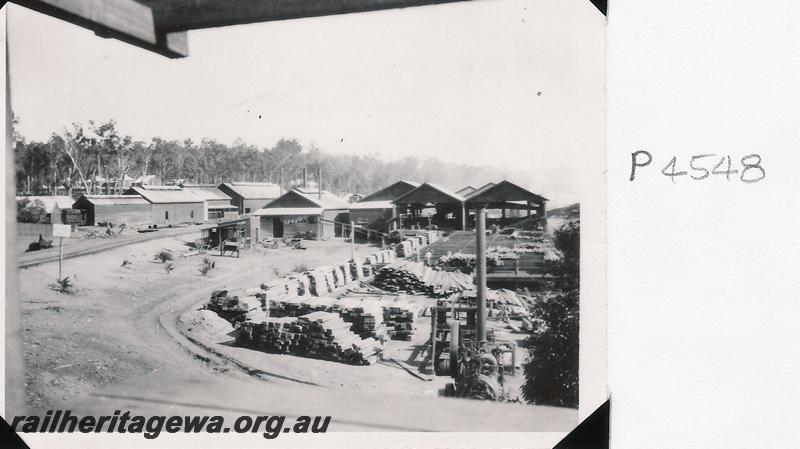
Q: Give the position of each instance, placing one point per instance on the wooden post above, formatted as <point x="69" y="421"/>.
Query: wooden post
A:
<point x="463" y="216"/>
<point x="353" y="240"/>
<point x="60" y="255"/>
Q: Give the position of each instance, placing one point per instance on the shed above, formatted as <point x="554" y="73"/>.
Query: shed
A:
<point x="377" y="211"/>
<point x="299" y="213"/>
<point x="170" y="204"/>
<point x="250" y="196"/>
<point x="114" y="209"/>
<point x="506" y="196"/>
<point x="241" y="230"/>
<point x="448" y="207"/>
<point x="217" y="203"/>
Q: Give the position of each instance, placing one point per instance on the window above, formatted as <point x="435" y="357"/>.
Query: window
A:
<point x="247" y="210"/>
<point x="191" y="214"/>
<point x="166" y="215"/>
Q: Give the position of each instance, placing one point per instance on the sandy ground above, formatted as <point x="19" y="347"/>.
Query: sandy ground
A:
<point x="120" y="342"/>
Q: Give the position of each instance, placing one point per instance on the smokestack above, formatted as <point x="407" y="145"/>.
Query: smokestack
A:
<point x="305" y="179"/>
<point x="319" y="181"/>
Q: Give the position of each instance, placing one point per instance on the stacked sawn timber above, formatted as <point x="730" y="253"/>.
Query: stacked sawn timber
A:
<point x="234" y="308"/>
<point x="320" y="335"/>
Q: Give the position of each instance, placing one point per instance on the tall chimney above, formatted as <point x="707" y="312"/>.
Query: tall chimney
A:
<point x="319" y="181"/>
<point x="305" y="179"/>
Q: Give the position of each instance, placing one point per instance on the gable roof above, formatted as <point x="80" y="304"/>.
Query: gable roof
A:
<point x="504" y="191"/>
<point x="430" y="193"/>
<point x="208" y="192"/>
<point x="112" y="200"/>
<point x="391" y="192"/>
<point x="328" y="200"/>
<point x="164" y="194"/>
<point x="480" y="190"/>
<point x="466" y="191"/>
<point x="310" y="200"/>
<point x="253" y="190"/>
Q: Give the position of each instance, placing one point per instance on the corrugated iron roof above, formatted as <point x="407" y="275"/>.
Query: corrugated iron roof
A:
<point x="112" y="200"/>
<point x="328" y="201"/>
<point x="255" y="190"/>
<point x="163" y="196"/>
<point x="372" y="205"/>
<point x="282" y="211"/>
<point x="207" y="192"/>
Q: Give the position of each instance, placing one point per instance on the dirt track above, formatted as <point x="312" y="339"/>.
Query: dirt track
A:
<point x="115" y="344"/>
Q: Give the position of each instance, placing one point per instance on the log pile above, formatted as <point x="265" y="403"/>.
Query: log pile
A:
<point x="416" y="278"/>
<point x="319" y="335"/>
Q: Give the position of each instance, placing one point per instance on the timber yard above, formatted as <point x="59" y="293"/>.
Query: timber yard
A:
<point x="392" y="310"/>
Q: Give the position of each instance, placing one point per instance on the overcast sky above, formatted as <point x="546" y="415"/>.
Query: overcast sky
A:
<point x="455" y="81"/>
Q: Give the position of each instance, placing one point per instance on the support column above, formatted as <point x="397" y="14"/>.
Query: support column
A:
<point x="480" y="273"/>
<point x="543" y="208"/>
<point x="463" y="216"/>
<point x="528" y="204"/>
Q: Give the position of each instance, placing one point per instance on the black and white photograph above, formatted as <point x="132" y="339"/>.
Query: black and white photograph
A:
<point x="282" y="218"/>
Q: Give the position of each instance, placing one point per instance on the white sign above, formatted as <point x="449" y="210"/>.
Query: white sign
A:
<point x="61" y="230"/>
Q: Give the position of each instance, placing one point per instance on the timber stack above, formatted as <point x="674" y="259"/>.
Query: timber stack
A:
<point x="416" y="278"/>
<point x="319" y="335"/>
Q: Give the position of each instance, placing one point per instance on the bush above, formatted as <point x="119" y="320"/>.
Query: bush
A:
<point x="300" y="268"/>
<point x="168" y="267"/>
<point x="551" y="371"/>
<point x="163" y="256"/>
<point x="126" y="263"/>
<point x="64" y="285"/>
<point x="206" y="265"/>
<point x="31" y="211"/>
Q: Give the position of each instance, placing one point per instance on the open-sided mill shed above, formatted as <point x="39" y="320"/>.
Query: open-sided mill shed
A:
<point x="249" y="197"/>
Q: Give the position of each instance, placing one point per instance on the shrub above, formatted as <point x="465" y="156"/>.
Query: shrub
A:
<point x="31" y="211"/>
<point x="163" y="256"/>
<point x="206" y="265"/>
<point x="126" y="263"/>
<point x="168" y="267"/>
<point x="64" y="285"/>
<point x="551" y="371"/>
<point x="300" y="268"/>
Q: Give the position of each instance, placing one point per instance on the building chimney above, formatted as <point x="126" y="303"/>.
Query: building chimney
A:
<point x="305" y="179"/>
<point x="319" y="181"/>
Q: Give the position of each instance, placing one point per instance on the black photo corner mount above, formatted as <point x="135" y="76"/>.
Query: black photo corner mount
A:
<point x="9" y="439"/>
<point x="601" y="5"/>
<point x="592" y="433"/>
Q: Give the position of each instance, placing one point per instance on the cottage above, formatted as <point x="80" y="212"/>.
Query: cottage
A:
<point x="250" y="196"/>
<point x="304" y="213"/>
<point x="114" y="209"/>
<point x="217" y="203"/>
<point x="170" y="204"/>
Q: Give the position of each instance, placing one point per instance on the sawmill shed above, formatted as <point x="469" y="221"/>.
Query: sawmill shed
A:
<point x="304" y="213"/>
<point x="217" y="203"/>
<point x="170" y="204"/>
<point x="506" y="196"/>
<point x="447" y="207"/>
<point x="376" y="211"/>
<point x="114" y="209"/>
<point x="250" y="196"/>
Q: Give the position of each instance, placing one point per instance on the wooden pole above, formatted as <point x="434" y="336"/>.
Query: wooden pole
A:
<point x="480" y="254"/>
<point x="60" y="255"/>
<point x="353" y="240"/>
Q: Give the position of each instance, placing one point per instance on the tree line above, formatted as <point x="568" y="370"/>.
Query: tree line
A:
<point x="76" y="156"/>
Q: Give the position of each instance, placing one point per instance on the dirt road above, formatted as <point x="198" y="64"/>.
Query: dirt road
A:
<point x="115" y="345"/>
